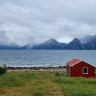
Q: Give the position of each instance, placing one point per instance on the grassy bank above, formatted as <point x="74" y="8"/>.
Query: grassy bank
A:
<point x="45" y="83"/>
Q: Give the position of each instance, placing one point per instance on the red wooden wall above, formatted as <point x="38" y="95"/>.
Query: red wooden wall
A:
<point x="77" y="70"/>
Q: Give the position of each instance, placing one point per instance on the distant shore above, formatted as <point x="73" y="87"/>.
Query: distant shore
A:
<point x="60" y="68"/>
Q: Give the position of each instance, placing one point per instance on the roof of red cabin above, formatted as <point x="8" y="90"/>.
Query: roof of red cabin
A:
<point x="74" y="61"/>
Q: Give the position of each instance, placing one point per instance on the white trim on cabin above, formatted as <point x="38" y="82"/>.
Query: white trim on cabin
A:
<point x="75" y="63"/>
<point x="83" y="70"/>
<point x="79" y="62"/>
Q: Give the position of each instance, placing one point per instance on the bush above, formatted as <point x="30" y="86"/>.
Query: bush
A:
<point x="57" y="74"/>
<point x="3" y="69"/>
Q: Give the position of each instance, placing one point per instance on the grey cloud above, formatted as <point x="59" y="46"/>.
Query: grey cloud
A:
<point x="33" y="21"/>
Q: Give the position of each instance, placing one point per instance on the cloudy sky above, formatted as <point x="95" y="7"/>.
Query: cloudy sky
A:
<point x="34" y="21"/>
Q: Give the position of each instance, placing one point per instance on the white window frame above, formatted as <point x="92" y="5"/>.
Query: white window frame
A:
<point x="83" y="70"/>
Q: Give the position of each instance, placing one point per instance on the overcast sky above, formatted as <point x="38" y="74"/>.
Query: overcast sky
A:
<point x="34" y="21"/>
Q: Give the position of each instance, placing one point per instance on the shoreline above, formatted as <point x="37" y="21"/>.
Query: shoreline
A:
<point x="60" y="68"/>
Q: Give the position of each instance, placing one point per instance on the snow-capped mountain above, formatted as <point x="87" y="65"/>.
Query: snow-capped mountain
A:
<point x="75" y="44"/>
<point x="50" y="44"/>
<point x="86" y="39"/>
<point x="86" y="43"/>
<point x="90" y="43"/>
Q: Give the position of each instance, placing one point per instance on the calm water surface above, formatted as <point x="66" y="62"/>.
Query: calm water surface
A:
<point x="45" y="58"/>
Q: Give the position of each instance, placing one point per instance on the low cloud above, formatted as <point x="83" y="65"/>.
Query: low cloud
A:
<point x="4" y="39"/>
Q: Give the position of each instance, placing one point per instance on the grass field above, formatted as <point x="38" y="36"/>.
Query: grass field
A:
<point x="45" y="83"/>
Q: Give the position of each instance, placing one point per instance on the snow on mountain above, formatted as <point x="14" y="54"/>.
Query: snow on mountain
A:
<point x="50" y="44"/>
<point x="75" y="44"/>
<point x="86" y="43"/>
<point x="91" y="43"/>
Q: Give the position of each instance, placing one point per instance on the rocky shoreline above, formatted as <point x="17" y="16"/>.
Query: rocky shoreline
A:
<point x="60" y="68"/>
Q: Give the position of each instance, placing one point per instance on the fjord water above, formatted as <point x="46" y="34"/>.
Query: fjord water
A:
<point x="45" y="58"/>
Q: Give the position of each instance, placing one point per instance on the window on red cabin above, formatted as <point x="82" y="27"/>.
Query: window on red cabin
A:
<point x="85" y="70"/>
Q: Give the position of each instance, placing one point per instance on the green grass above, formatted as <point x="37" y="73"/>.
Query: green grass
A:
<point x="45" y="84"/>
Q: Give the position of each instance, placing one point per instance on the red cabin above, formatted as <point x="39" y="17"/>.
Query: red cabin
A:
<point x="79" y="68"/>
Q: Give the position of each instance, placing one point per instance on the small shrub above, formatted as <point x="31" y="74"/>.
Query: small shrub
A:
<point x="3" y="69"/>
<point x="57" y="74"/>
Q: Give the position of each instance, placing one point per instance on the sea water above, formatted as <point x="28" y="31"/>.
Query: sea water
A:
<point x="44" y="58"/>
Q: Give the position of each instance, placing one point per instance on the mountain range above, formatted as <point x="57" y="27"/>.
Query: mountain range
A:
<point x="86" y="43"/>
